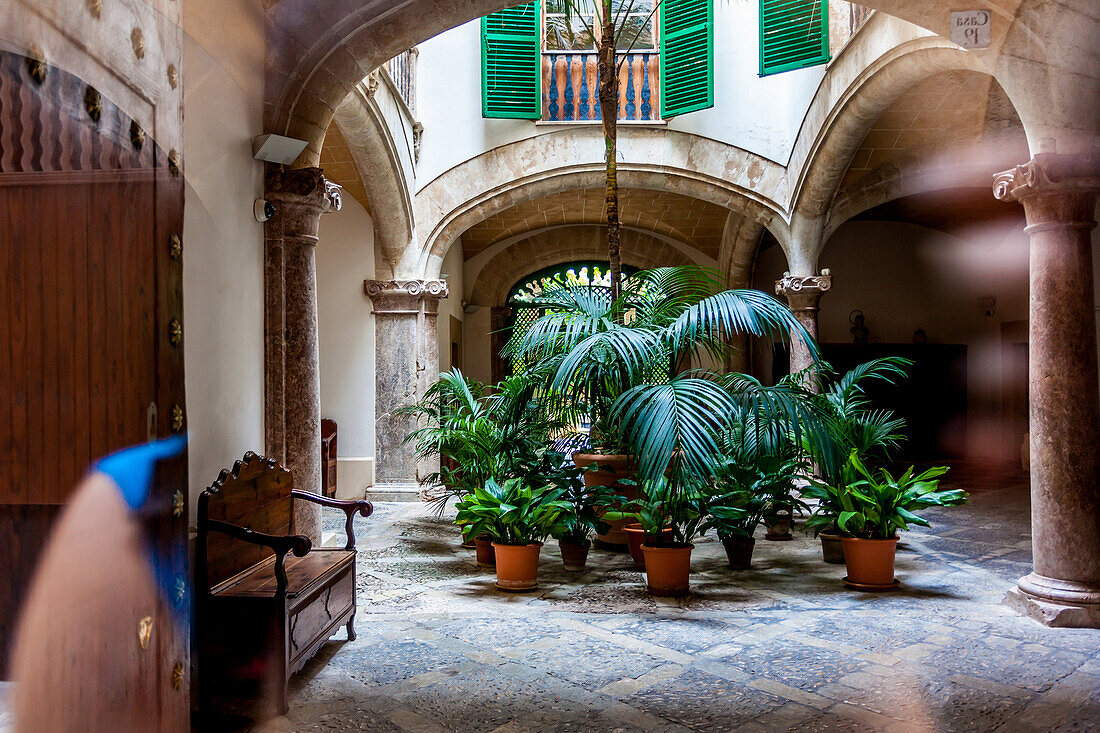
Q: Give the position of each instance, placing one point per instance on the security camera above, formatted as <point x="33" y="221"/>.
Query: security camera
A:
<point x="263" y="210"/>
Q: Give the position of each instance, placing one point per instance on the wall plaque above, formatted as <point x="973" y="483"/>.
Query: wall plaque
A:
<point x="970" y="28"/>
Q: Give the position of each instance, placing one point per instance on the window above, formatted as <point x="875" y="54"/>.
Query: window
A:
<point x="638" y="27"/>
<point x="539" y="61"/>
<point x="525" y="310"/>
<point x="794" y="34"/>
<point x="568" y="31"/>
<point x="580" y="30"/>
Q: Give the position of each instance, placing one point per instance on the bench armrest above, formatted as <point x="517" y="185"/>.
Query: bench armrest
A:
<point x="349" y="508"/>
<point x="299" y="544"/>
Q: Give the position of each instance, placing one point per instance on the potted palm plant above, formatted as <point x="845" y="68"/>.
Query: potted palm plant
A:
<point x="518" y="519"/>
<point x="480" y="434"/>
<point x="872" y="510"/>
<point x="609" y="359"/>
<point x="873" y="435"/>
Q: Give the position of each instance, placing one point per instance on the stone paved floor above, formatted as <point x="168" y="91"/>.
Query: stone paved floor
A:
<point x="783" y="646"/>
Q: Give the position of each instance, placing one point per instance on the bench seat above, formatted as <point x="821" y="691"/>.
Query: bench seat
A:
<point x="266" y="600"/>
<point x="302" y="574"/>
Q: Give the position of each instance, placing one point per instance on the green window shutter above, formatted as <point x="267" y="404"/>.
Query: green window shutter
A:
<point x="511" y="63"/>
<point x="687" y="56"/>
<point x="794" y="34"/>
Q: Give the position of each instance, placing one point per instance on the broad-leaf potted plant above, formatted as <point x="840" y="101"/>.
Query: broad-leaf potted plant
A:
<point x="582" y="518"/>
<point x="874" y="435"/>
<point x="518" y="518"/>
<point x="872" y="510"/>
<point x="481" y="433"/>
<point x="734" y="516"/>
<point x="671" y="517"/>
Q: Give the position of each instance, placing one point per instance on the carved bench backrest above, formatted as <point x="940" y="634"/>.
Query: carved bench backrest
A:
<point x="255" y="494"/>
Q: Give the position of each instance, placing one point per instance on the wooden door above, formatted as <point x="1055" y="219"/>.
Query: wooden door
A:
<point x="90" y="328"/>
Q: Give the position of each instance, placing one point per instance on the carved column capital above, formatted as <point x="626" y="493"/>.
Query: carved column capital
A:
<point x="803" y="293"/>
<point x="300" y="196"/>
<point x="406" y="296"/>
<point x="1057" y="191"/>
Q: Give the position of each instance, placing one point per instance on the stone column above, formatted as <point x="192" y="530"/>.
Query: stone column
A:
<point x="406" y="363"/>
<point x="803" y="294"/>
<point x="1058" y="193"/>
<point x="292" y="374"/>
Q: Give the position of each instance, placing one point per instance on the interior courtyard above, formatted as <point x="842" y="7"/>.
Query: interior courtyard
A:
<point x="245" y="242"/>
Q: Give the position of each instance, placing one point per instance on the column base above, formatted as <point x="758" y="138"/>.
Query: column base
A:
<point x="395" y="492"/>
<point x="1054" y="602"/>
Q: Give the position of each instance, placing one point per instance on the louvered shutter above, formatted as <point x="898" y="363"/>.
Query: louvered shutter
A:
<point x="794" y="34"/>
<point x="687" y="56"/>
<point x="511" y="73"/>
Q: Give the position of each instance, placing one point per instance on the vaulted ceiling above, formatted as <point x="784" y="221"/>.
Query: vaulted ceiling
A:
<point x="685" y="219"/>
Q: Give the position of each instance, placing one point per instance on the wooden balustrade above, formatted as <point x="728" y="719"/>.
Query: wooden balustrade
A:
<point x="570" y="85"/>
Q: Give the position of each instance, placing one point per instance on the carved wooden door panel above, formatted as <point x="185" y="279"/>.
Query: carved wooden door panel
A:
<point x="91" y="357"/>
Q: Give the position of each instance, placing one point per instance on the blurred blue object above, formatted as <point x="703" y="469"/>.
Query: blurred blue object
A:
<point x="132" y="468"/>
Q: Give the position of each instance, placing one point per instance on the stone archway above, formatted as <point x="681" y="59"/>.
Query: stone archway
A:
<point x="542" y="249"/>
<point x="573" y="159"/>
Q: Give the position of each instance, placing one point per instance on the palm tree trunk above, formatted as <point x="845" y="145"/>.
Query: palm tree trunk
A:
<point x="609" y="111"/>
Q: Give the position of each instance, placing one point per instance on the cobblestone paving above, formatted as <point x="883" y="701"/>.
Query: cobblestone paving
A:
<point x="783" y="646"/>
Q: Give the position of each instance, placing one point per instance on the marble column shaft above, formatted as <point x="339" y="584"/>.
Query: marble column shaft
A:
<point x="1058" y="193"/>
<point x="803" y="294"/>
<point x="406" y="364"/>
<point x="293" y="405"/>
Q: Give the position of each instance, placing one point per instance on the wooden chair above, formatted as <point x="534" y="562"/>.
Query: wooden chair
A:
<point x="266" y="600"/>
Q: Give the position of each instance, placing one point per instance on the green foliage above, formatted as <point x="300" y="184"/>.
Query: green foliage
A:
<point x="736" y="513"/>
<point x="756" y="475"/>
<point x="511" y="513"/>
<point x="586" y="506"/>
<point x="877" y="505"/>
<point x="874" y="435"/>
<point x="662" y="506"/>
<point x="504" y="434"/>
<point x="600" y="355"/>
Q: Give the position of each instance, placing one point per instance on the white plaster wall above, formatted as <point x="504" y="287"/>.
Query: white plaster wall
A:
<point x="222" y="244"/>
<point x="345" y="258"/>
<point x="476" y="346"/>
<point x="761" y="115"/>
<point x="451" y="306"/>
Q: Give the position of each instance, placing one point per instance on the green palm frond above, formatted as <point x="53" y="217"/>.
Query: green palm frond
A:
<point x="674" y="425"/>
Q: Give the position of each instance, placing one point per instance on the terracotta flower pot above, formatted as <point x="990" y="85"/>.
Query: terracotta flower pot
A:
<point x="612" y="468"/>
<point x="779" y="525"/>
<point x="668" y="570"/>
<point x="517" y="566"/>
<point x="635" y="538"/>
<point x="870" y="563"/>
<point x="739" y="551"/>
<point x="486" y="557"/>
<point x="574" y="555"/>
<point x="832" y="549"/>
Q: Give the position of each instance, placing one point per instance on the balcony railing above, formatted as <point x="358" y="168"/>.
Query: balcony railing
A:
<point x="402" y="70"/>
<point x="570" y="87"/>
<point x="857" y="16"/>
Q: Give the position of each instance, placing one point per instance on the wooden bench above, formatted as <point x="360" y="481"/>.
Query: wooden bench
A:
<point x="266" y="599"/>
